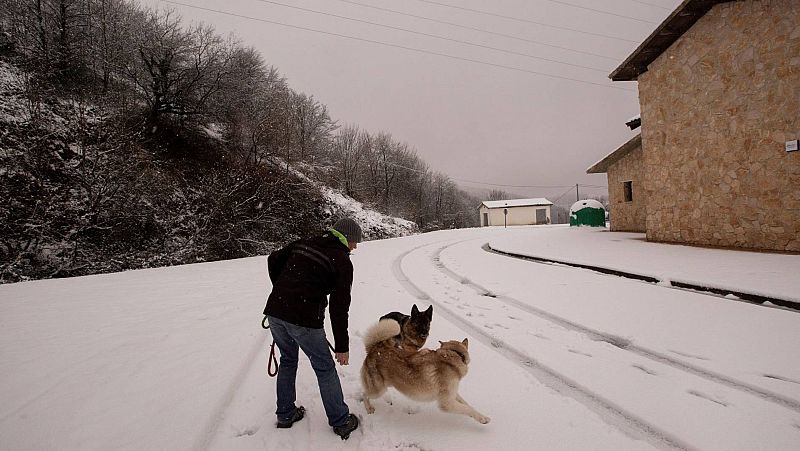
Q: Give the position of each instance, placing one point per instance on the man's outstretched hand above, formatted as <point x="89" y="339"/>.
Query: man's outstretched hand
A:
<point x="343" y="358"/>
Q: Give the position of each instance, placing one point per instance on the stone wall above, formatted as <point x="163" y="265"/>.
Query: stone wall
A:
<point x="717" y="108"/>
<point x="627" y="216"/>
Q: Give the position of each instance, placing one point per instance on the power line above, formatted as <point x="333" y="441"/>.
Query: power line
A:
<point x="513" y="186"/>
<point x="405" y="30"/>
<point x="600" y="11"/>
<point x="481" y="30"/>
<point x="493" y="184"/>
<point x="562" y="195"/>
<point x="413" y="49"/>
<point x="487" y="13"/>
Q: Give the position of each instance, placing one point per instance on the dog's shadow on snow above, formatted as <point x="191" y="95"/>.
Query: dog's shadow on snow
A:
<point x="401" y="414"/>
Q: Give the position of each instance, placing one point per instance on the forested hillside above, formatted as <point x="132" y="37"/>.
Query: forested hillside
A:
<point x="131" y="139"/>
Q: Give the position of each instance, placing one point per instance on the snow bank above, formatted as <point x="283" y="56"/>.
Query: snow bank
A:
<point x="374" y="224"/>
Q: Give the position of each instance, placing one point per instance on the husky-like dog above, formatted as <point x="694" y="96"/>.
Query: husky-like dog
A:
<point x="422" y="375"/>
<point x="414" y="329"/>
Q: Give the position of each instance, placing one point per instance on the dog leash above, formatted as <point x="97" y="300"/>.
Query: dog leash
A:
<point x="274" y="360"/>
<point x="271" y="359"/>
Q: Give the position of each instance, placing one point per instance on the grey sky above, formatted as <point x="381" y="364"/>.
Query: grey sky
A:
<point x="471" y="121"/>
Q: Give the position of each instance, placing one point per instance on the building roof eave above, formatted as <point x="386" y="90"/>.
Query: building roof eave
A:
<point x="601" y="167"/>
<point x="669" y="31"/>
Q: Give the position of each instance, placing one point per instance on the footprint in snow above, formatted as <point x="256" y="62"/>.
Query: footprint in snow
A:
<point x="691" y="356"/>
<point x="707" y="397"/>
<point x="781" y="378"/>
<point x="403" y="446"/>
<point x="575" y="351"/>
<point x="247" y="432"/>
<point x="646" y="370"/>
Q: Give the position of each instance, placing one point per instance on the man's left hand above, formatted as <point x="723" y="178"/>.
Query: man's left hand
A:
<point x="343" y="358"/>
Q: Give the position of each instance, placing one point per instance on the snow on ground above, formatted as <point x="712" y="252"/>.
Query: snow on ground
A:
<point x="760" y="273"/>
<point x="374" y="224"/>
<point x="561" y="358"/>
<point x="59" y="116"/>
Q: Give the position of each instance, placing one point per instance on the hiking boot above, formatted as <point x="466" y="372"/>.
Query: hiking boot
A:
<point x="297" y="415"/>
<point x="349" y="426"/>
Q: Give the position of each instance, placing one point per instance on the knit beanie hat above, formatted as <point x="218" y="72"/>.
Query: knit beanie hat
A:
<point x="349" y="228"/>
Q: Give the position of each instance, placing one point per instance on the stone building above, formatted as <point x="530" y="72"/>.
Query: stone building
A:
<point x="719" y="92"/>
<point x="627" y="200"/>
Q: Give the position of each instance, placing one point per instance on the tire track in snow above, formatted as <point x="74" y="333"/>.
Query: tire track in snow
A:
<point x="217" y="416"/>
<point x="608" y="411"/>
<point x="619" y="342"/>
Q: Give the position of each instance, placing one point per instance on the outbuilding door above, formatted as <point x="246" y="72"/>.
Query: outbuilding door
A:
<point x="486" y="219"/>
<point x="541" y="215"/>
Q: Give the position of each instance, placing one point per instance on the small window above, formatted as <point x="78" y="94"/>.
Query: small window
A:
<point x="628" y="191"/>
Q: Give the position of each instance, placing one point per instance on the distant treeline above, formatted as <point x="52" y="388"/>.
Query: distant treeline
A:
<point x="129" y="139"/>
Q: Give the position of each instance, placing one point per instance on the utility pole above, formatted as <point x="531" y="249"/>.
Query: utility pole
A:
<point x="577" y="195"/>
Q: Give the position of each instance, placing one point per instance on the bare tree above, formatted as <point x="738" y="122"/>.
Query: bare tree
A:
<point x="350" y="146"/>
<point x="312" y="126"/>
<point x="179" y="70"/>
<point x="497" y="194"/>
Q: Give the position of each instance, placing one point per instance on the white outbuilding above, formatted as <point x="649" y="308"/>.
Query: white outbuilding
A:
<point x="515" y="212"/>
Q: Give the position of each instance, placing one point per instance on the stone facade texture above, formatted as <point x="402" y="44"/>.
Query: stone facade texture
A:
<point x="717" y="108"/>
<point x="627" y="216"/>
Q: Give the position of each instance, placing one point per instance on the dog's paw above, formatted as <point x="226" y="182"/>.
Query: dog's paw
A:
<point x="368" y="405"/>
<point x="483" y="419"/>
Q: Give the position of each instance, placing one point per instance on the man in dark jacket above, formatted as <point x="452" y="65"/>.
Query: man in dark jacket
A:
<point x="303" y="274"/>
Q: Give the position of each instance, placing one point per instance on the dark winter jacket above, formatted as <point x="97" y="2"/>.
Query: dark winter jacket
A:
<point x="303" y="274"/>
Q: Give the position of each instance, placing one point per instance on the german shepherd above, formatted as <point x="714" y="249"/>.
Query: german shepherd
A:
<point x="422" y="375"/>
<point x="414" y="329"/>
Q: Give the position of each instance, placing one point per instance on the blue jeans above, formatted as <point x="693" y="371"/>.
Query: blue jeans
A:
<point x="289" y="338"/>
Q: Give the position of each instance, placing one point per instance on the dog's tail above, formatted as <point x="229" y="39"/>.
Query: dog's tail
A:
<point x="384" y="330"/>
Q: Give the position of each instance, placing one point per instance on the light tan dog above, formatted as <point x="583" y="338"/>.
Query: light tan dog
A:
<point x="424" y="375"/>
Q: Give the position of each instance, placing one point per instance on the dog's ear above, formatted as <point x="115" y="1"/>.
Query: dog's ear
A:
<point x="429" y="313"/>
<point x="414" y="310"/>
<point x="465" y="343"/>
<point x="441" y="343"/>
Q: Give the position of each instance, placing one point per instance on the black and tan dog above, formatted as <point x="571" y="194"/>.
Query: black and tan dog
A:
<point x="414" y="329"/>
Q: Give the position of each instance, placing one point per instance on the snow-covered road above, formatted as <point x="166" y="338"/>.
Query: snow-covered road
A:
<point x="562" y="358"/>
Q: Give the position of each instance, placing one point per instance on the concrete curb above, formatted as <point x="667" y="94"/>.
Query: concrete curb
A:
<point x="719" y="292"/>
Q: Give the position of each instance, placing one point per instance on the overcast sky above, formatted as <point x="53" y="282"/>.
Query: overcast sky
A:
<point x="472" y="121"/>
